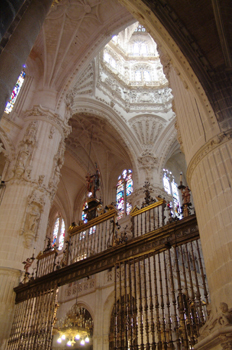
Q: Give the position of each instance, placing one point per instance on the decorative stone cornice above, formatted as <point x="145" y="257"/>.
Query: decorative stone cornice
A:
<point x="210" y="146"/>
<point x="41" y="113"/>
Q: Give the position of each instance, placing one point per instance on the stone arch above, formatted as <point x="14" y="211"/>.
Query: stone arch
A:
<point x="101" y="110"/>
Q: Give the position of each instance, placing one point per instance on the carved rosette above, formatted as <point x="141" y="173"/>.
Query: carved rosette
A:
<point x="35" y="207"/>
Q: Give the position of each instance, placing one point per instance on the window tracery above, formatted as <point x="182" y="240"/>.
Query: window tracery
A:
<point x="124" y="189"/>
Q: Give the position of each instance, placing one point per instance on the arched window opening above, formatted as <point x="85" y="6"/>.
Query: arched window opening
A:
<point x="140" y="28"/>
<point x="138" y="75"/>
<point x="15" y="92"/>
<point x="143" y="50"/>
<point x="171" y="187"/>
<point x="58" y="233"/>
<point x="136" y="48"/>
<point x="123" y="191"/>
<point x="146" y="75"/>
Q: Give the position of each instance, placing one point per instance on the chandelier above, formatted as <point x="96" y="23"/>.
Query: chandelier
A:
<point x="76" y="328"/>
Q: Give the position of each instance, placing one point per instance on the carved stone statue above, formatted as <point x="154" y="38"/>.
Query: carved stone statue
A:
<point x="32" y="217"/>
<point x="58" y="163"/>
<point x="26" y="147"/>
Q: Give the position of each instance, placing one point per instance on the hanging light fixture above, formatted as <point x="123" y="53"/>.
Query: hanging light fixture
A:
<point x="76" y="327"/>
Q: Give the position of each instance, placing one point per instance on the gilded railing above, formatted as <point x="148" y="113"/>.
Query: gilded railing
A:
<point x="148" y="219"/>
<point x="91" y="238"/>
<point x="161" y="289"/>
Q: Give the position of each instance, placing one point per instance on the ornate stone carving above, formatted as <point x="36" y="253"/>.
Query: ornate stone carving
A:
<point x="36" y="202"/>
<point x="147" y="161"/>
<point x="58" y="163"/>
<point x="42" y="113"/>
<point x="216" y="320"/>
<point x="179" y="138"/>
<point x="147" y="129"/>
<point x="26" y="147"/>
<point x="52" y="131"/>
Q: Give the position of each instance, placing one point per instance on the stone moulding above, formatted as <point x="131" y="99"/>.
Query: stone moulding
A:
<point x="211" y="145"/>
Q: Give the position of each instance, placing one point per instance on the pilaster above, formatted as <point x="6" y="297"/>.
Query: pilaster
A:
<point x="31" y="183"/>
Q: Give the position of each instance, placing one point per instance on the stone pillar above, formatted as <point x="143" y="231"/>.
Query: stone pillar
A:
<point x="19" y="46"/>
<point x="31" y="184"/>
<point x="208" y="153"/>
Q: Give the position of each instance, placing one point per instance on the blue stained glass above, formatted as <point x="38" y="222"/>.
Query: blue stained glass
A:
<point x="124" y="174"/>
<point x="84" y="215"/>
<point x="120" y="197"/>
<point x="124" y="189"/>
<point x="15" y="92"/>
<point x="129" y="185"/>
<point x="55" y="232"/>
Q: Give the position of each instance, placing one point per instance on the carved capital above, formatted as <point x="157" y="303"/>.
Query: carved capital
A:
<point x="54" y="119"/>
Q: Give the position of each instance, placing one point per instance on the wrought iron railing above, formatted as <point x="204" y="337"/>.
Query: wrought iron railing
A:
<point x="148" y="219"/>
<point x="160" y="282"/>
<point x="160" y="300"/>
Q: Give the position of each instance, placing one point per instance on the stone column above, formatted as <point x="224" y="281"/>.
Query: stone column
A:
<point x="31" y="184"/>
<point x="208" y="153"/>
<point x="19" y="46"/>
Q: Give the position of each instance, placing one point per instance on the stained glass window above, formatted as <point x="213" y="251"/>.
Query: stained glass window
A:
<point x="55" y="232"/>
<point x="58" y="233"/>
<point x="166" y="182"/>
<point x="123" y="191"/>
<point x="15" y="92"/>
<point x="62" y="235"/>
<point x="84" y="215"/>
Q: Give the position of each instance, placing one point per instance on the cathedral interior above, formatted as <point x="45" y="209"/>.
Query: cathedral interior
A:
<point x="115" y="174"/>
